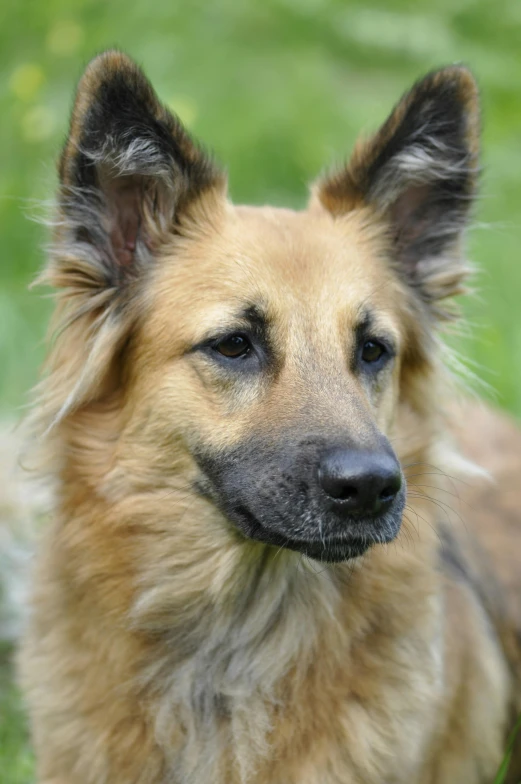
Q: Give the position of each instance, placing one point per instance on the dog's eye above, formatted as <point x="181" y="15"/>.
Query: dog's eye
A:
<point x="372" y="351"/>
<point x="233" y="347"/>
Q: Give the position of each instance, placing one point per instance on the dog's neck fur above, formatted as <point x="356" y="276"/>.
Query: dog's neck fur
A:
<point x="233" y="681"/>
<point x="236" y="636"/>
<point x="287" y="628"/>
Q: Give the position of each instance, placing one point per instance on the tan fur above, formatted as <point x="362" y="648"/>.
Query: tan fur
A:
<point x="163" y="646"/>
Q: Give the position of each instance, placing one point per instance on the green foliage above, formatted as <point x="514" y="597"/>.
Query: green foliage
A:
<point x="278" y="89"/>
<point x="16" y="762"/>
<point x="503" y="770"/>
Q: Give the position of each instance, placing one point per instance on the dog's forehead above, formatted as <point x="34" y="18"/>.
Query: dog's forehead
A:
<point x="309" y="276"/>
<point x="275" y="255"/>
<point x="310" y="251"/>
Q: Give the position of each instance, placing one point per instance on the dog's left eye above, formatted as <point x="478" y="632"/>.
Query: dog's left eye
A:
<point x="233" y="347"/>
<point x="372" y="351"/>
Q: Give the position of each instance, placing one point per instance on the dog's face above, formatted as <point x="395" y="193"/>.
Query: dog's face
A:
<point x="268" y="347"/>
<point x="281" y="376"/>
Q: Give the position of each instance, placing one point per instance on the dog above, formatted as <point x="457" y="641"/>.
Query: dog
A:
<point x="257" y="570"/>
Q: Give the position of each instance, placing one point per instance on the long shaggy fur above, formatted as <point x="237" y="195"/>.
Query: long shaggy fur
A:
<point x="166" y="646"/>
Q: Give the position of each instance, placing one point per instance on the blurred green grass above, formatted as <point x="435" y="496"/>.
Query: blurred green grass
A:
<point x="278" y="89"/>
<point x="16" y="765"/>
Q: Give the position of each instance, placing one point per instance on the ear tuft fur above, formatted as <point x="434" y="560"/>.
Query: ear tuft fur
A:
<point x="130" y="175"/>
<point x="128" y="168"/>
<point x="419" y="173"/>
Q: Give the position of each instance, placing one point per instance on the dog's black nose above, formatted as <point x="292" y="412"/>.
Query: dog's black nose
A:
<point x="359" y="483"/>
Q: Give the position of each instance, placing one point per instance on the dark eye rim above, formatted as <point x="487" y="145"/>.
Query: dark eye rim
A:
<point x="387" y="352"/>
<point x="247" y="351"/>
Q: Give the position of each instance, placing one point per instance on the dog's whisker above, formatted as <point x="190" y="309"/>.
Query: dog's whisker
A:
<point x="424" y="520"/>
<point x="438" y="489"/>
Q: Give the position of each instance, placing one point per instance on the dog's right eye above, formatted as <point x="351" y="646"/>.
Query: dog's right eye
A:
<point x="233" y="346"/>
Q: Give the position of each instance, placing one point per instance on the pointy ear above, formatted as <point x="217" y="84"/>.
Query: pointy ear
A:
<point x="130" y="178"/>
<point x="128" y="170"/>
<point x="419" y="172"/>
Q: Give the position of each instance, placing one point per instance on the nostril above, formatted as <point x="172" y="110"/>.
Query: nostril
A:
<point x="344" y="492"/>
<point x="387" y="494"/>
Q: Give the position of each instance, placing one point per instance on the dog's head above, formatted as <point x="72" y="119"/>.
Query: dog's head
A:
<point x="267" y="356"/>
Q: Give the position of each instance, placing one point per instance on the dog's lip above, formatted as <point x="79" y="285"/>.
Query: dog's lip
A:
<point x="333" y="547"/>
<point x="330" y="548"/>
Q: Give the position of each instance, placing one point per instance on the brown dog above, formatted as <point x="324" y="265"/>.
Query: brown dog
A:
<point x="242" y="408"/>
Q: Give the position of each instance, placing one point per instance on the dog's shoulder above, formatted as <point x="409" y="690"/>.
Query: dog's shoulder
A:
<point x="483" y="548"/>
<point x="492" y="505"/>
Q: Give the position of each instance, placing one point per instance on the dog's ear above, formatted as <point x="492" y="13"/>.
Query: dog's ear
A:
<point x="419" y="173"/>
<point x="130" y="178"/>
<point x="128" y="170"/>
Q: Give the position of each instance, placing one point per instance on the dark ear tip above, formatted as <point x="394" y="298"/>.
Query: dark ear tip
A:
<point x="114" y="70"/>
<point x="108" y="62"/>
<point x="455" y="79"/>
<point x="462" y="79"/>
<point x="108" y="67"/>
<point x="454" y="85"/>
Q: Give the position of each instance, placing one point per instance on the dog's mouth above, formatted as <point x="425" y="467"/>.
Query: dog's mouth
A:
<point x="329" y="548"/>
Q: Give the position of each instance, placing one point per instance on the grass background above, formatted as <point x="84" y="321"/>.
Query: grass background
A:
<point x="277" y="89"/>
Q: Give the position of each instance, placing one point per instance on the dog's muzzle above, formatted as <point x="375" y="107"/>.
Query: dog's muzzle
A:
<point x="330" y="502"/>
